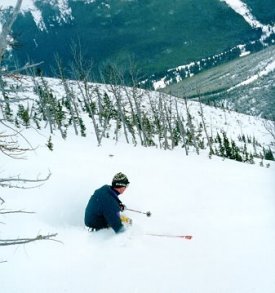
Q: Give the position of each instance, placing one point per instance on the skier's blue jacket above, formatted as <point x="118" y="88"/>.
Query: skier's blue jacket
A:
<point x="103" y="210"/>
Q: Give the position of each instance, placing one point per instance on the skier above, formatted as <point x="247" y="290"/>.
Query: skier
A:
<point x="104" y="207"/>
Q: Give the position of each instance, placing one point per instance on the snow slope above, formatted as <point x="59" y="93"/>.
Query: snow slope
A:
<point x="228" y="207"/>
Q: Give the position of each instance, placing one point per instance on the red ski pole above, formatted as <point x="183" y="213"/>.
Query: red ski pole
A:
<point x="188" y="237"/>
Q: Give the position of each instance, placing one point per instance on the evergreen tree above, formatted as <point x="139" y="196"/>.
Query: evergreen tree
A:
<point x="245" y="153"/>
<point x="227" y="147"/>
<point x="148" y="128"/>
<point x="251" y="159"/>
<point x="82" y="127"/>
<point x="236" y="152"/>
<point x="7" y="109"/>
<point x="23" y="114"/>
<point x="49" y="144"/>
<point x="176" y="133"/>
<point x="268" y="155"/>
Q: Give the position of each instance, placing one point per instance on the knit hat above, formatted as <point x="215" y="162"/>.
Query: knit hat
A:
<point x="120" y="180"/>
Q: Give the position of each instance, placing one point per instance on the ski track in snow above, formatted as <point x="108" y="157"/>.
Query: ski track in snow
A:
<point x="227" y="206"/>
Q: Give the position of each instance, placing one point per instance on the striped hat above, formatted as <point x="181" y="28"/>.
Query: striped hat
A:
<point x="120" y="180"/>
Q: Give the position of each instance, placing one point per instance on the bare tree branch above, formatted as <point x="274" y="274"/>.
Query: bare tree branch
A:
<point x="2" y="201"/>
<point x="6" y="242"/>
<point x="17" y="133"/>
<point x="6" y="182"/>
<point x="27" y="66"/>
<point x="3" y="261"/>
<point x="3" y="212"/>
<point x="9" y="146"/>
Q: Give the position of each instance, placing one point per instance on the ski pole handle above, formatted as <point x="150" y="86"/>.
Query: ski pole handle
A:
<point x="148" y="214"/>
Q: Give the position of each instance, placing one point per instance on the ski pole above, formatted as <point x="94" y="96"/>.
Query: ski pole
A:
<point x="148" y="214"/>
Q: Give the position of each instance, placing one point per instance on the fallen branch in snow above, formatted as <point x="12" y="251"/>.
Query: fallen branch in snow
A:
<point x="3" y="211"/>
<point x="6" y="242"/>
<point x="3" y="261"/>
<point x="2" y="201"/>
<point x="9" y="146"/>
<point x="5" y="182"/>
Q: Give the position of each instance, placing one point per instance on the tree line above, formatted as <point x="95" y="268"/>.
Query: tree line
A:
<point x="119" y="112"/>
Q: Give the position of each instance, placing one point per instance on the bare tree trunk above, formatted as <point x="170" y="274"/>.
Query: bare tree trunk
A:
<point x="182" y="129"/>
<point x="114" y="80"/>
<point x="209" y="141"/>
<point x="135" y="97"/>
<point x="157" y="120"/>
<point x="191" y="126"/>
<point x="6" y="29"/>
<point x="140" y="127"/>
<point x="87" y="99"/>
<point x="131" y="94"/>
<point x="162" y="119"/>
<point x="84" y="75"/>
<point x="69" y="95"/>
<point x="100" y="107"/>
<point x="116" y="91"/>
<point x="169" y="119"/>
<point x="43" y="94"/>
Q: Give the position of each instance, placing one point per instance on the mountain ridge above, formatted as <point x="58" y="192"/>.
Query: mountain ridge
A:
<point x="160" y="34"/>
<point x="245" y="85"/>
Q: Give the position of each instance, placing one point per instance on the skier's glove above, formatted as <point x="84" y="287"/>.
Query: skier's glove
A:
<point x="122" y="207"/>
<point x="126" y="220"/>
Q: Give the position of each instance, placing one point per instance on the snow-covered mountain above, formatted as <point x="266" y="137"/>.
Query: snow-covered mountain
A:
<point x="61" y="8"/>
<point x="160" y="34"/>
